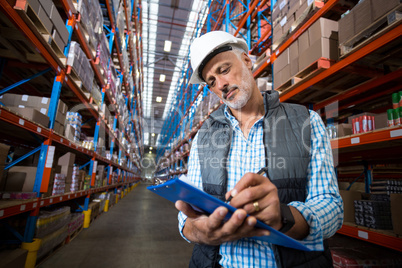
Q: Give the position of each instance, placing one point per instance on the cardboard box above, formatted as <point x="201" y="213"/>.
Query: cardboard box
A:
<point x="326" y="48"/>
<point x="277" y="33"/>
<point x="35" y="5"/>
<point x="301" y="9"/>
<point x="44" y="18"/>
<point x="15" y="258"/>
<point x="396" y="212"/>
<point x="47" y="6"/>
<point x="380" y="120"/>
<point x="379" y="7"/>
<point x="346" y="27"/>
<point x="344" y="130"/>
<point x="294" y="58"/>
<point x="285" y="74"/>
<point x="348" y="198"/>
<point x="323" y="28"/>
<point x="294" y="5"/>
<point x="59" y="24"/>
<point x="281" y="61"/>
<point x="66" y="160"/>
<point x="32" y="115"/>
<point x="20" y="179"/>
<point x="3" y="157"/>
<point x="303" y="43"/>
<point x="362" y="16"/>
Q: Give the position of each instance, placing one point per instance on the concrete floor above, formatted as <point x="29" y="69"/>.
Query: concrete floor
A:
<point x="140" y="231"/>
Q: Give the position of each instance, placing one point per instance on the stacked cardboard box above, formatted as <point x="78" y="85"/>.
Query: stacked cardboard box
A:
<point x="362" y="16"/>
<point x="19" y="179"/>
<point x="319" y="41"/>
<point x="285" y="15"/>
<point x="73" y="126"/>
<point x="36" y="109"/>
<point x="3" y="157"/>
<point x="91" y="20"/>
<point x="102" y="54"/>
<point x="53" y="23"/>
<point x="67" y="168"/>
<point x="80" y="64"/>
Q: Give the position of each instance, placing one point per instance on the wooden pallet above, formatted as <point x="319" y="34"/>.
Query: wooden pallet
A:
<point x="73" y="235"/>
<point x="36" y="25"/>
<point x="373" y="31"/>
<point x="307" y="73"/>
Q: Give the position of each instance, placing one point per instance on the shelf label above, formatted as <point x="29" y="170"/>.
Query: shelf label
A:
<point x="396" y="133"/>
<point x="41" y="203"/>
<point x="94" y="167"/>
<point x="34" y="205"/>
<point x="75" y="195"/>
<point x="61" y="139"/>
<point x="283" y="21"/>
<point x="362" y="234"/>
<point x="355" y="140"/>
<point x="51" y="200"/>
<point x="309" y="2"/>
<point x="61" y="198"/>
<point x="43" y="111"/>
<point x="282" y="4"/>
<point x="38" y="129"/>
<point x="1" y="213"/>
<point x="50" y="156"/>
<point x="22" y="208"/>
<point x="21" y="122"/>
<point x="24" y="97"/>
<point x="68" y="196"/>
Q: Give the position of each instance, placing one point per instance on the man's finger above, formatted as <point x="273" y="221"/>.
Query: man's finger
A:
<point x="216" y="218"/>
<point x="186" y="209"/>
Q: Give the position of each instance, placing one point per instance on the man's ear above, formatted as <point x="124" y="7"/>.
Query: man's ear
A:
<point x="247" y="60"/>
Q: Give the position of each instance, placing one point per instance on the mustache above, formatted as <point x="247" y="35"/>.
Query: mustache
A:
<point x="226" y="91"/>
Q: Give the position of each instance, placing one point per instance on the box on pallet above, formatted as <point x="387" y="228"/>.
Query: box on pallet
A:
<point x="19" y="179"/>
<point x="362" y="16"/>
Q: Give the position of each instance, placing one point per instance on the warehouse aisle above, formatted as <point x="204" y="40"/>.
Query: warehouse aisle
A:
<point x="140" y="231"/>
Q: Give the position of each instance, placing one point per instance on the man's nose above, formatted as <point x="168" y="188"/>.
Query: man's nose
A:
<point x="222" y="84"/>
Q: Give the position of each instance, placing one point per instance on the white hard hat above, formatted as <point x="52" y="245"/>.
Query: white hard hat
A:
<point x="207" y="46"/>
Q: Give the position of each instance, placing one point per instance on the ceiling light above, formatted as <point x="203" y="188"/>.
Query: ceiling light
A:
<point x="153" y="134"/>
<point x="151" y="148"/>
<point x="158" y="99"/>
<point x="168" y="46"/>
<point x="162" y="78"/>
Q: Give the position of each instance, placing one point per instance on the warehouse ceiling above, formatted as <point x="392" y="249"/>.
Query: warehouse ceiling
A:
<point x="164" y="22"/>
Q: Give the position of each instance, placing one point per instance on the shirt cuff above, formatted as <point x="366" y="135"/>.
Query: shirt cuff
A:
<point x="314" y="240"/>
<point x="182" y="221"/>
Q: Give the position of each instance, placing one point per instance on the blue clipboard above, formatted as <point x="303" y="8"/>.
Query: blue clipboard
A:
<point x="177" y="189"/>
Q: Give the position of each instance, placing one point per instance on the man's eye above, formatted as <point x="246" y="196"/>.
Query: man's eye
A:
<point x="225" y="70"/>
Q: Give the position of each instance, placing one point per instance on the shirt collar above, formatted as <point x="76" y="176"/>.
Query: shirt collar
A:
<point x="233" y="120"/>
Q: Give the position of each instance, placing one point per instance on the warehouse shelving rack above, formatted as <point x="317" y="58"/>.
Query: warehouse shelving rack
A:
<point x="375" y="145"/>
<point x="49" y="139"/>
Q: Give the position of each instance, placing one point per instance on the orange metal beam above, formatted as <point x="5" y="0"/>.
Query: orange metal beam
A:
<point x="382" y="135"/>
<point x="220" y="15"/>
<point x="370" y="84"/>
<point x="372" y="237"/>
<point x="244" y="19"/>
<point x="364" y="51"/>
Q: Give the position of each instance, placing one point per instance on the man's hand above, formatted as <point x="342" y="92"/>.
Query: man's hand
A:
<point x="256" y="191"/>
<point x="213" y="230"/>
<point x="258" y="196"/>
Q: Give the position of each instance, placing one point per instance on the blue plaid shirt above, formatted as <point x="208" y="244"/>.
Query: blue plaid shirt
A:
<point x="323" y="208"/>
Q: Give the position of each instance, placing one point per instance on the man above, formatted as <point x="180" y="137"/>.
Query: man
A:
<point x="299" y="195"/>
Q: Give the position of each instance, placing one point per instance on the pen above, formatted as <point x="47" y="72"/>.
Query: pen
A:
<point x="260" y="172"/>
